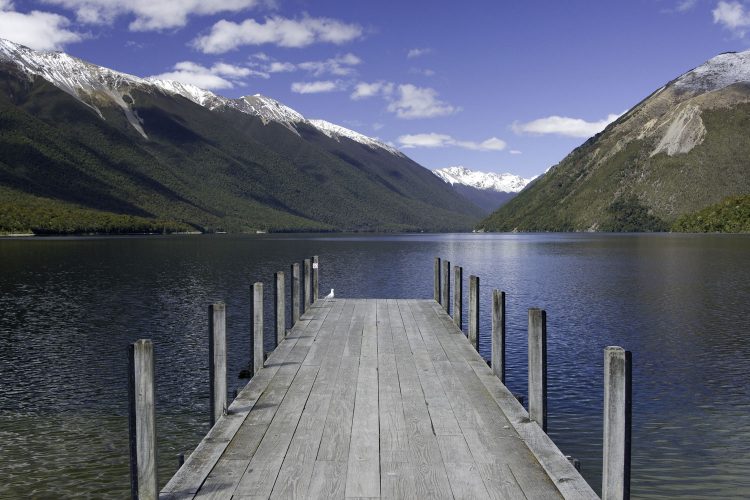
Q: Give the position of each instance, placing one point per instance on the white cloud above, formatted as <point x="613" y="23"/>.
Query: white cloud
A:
<point x="433" y="140"/>
<point x="515" y="152"/>
<point x="218" y="76"/>
<point x="316" y="87"/>
<point x="562" y="125"/>
<point x="422" y="71"/>
<point x="38" y="30"/>
<point x="733" y="16"/>
<point x="417" y="53"/>
<point x="364" y="90"/>
<point x="339" y="65"/>
<point x="227" y="35"/>
<point x="419" y="102"/>
<point x="281" y="67"/>
<point x="150" y="14"/>
<point x="686" y="5"/>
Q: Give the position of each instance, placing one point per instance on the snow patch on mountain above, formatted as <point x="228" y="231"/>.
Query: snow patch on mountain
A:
<point x="503" y="183"/>
<point x="94" y="85"/>
<point x="716" y="73"/>
<point x="336" y="131"/>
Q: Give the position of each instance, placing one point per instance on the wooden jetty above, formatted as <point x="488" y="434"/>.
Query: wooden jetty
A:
<point x="384" y="398"/>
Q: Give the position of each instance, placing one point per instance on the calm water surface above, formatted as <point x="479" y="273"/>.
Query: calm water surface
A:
<point x="70" y="306"/>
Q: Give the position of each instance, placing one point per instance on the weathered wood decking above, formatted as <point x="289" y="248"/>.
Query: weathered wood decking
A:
<point x="376" y="399"/>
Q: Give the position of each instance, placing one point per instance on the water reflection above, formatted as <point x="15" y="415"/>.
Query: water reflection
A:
<point x="69" y="307"/>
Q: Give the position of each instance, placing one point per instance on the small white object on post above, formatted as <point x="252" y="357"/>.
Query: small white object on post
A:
<point x="617" y="423"/>
<point x="538" y="367"/>
<point x="257" y="327"/>
<point x="142" y="421"/>
<point x="315" y="276"/>
<point x="217" y="358"/>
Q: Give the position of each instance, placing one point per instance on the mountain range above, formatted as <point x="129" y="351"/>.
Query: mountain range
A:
<point x="488" y="190"/>
<point x="89" y="149"/>
<point x="682" y="149"/>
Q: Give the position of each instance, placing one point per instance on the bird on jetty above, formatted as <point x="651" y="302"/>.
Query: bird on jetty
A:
<point x="330" y="295"/>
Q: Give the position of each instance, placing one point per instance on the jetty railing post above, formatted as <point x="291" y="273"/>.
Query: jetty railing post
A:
<point x="436" y="279"/>
<point x="458" y="292"/>
<point x="142" y="421"/>
<point x="306" y="284"/>
<point x="257" y="327"/>
<point x="279" y="308"/>
<point x="474" y="311"/>
<point x="617" y="423"/>
<point x="498" y="334"/>
<point x="315" y="266"/>
<point x="538" y="367"/>
<point x="217" y="359"/>
<point x="446" y="286"/>
<point x="295" y="293"/>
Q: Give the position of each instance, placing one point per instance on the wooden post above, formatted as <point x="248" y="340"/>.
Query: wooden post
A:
<point x="142" y="421"/>
<point x="295" y="293"/>
<point x="458" y="292"/>
<point x="217" y="359"/>
<point x="315" y="266"/>
<point x="279" y="308"/>
<point x="474" y="311"/>
<point x="617" y="423"/>
<point x="498" y="334"/>
<point x="436" y="285"/>
<point x="446" y="285"/>
<point x="257" y="327"/>
<point x="306" y="284"/>
<point x="538" y="367"/>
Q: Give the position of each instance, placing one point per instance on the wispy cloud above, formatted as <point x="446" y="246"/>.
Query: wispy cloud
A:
<point x="411" y="102"/>
<point x="515" y="152"/>
<point x="283" y="32"/>
<point x="732" y="15"/>
<point x="218" y="76"/>
<point x="150" y="14"/>
<point x="433" y="140"/>
<point x="563" y="125"/>
<point x="342" y="65"/>
<point x="317" y="87"/>
<point x="38" y="30"/>
<point x="364" y="90"/>
<point x="417" y="52"/>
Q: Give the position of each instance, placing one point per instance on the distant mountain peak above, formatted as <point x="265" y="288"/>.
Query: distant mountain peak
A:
<point x="490" y="181"/>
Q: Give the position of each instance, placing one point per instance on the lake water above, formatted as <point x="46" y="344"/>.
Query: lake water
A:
<point x="70" y="306"/>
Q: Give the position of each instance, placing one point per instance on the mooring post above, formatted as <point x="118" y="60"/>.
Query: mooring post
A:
<point x="617" y="423"/>
<point x="498" y="334"/>
<point x="474" y="311"/>
<point x="315" y="282"/>
<point x="458" y="292"/>
<point x="446" y="286"/>
<point x="279" y="308"/>
<point x="538" y="367"/>
<point x="142" y="421"/>
<point x="217" y="359"/>
<point x="295" y="293"/>
<point x="436" y="279"/>
<point x="306" y="284"/>
<point x="257" y="327"/>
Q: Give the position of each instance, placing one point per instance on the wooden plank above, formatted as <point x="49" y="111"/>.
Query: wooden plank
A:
<point x="458" y="295"/>
<point x="279" y="309"/>
<point x="393" y="441"/>
<point x="617" y="408"/>
<point x="295" y="293"/>
<point x="446" y="286"/>
<point x="498" y="334"/>
<point x="328" y="480"/>
<point x="436" y="280"/>
<point x="306" y="284"/>
<point x="189" y="478"/>
<point x="538" y="367"/>
<point x="363" y="475"/>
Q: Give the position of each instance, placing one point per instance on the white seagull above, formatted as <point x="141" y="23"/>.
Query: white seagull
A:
<point x="330" y="295"/>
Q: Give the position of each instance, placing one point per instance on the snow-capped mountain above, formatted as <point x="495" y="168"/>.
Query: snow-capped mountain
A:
<point x="718" y="72"/>
<point x="502" y="183"/>
<point x="95" y="86"/>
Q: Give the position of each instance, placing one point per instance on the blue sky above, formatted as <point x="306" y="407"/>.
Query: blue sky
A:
<point x="491" y="85"/>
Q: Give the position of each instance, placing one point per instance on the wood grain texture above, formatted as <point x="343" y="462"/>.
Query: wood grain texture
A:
<point x="458" y="296"/>
<point x="257" y="327"/>
<point x="376" y="399"/>
<point x="474" y="311"/>
<point x="498" y="334"/>
<point x="217" y="358"/>
<point x="538" y="367"/>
